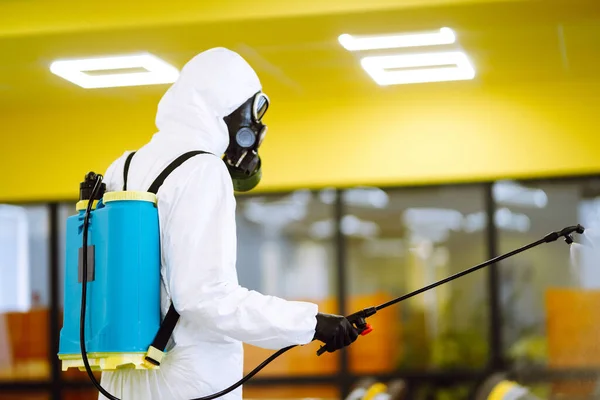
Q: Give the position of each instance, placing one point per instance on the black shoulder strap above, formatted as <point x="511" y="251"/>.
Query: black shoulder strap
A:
<point x="176" y="163"/>
<point x="170" y="321"/>
<point x="126" y="169"/>
<point x="157" y="348"/>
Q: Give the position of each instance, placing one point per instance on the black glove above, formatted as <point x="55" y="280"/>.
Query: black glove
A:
<point x="335" y="331"/>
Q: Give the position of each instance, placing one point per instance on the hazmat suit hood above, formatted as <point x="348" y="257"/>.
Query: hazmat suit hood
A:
<point x="211" y="86"/>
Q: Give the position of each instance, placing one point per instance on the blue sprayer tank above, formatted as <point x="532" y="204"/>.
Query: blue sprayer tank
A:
<point x="123" y="289"/>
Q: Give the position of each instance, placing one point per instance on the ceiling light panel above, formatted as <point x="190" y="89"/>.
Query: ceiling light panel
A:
<point x="396" y="41"/>
<point x="418" y="68"/>
<point x="157" y="71"/>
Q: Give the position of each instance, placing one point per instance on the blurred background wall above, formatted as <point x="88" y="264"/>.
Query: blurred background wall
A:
<point x="368" y="191"/>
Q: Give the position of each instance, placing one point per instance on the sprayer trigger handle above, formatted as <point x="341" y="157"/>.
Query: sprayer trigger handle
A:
<point x="363" y="328"/>
<point x="368" y="329"/>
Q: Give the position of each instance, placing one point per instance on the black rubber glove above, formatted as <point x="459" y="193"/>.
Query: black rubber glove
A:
<point x="335" y="331"/>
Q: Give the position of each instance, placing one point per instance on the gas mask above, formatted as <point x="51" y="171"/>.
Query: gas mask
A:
<point x="246" y="133"/>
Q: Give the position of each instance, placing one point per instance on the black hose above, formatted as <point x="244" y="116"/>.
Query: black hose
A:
<point x="86" y="224"/>
<point x="247" y="377"/>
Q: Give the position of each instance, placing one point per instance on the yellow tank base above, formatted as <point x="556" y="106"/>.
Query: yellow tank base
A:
<point x="106" y="361"/>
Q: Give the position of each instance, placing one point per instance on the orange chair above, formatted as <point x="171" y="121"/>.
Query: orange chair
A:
<point x="28" y="339"/>
<point x="573" y="329"/>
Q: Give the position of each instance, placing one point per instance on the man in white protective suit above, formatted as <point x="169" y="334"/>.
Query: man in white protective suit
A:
<point x="216" y="106"/>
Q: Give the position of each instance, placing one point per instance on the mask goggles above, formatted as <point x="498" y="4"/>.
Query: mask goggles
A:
<point x="246" y="134"/>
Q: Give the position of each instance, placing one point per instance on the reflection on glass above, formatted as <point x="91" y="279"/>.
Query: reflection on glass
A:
<point x="279" y="255"/>
<point x="24" y="293"/>
<point x="550" y="295"/>
<point x="399" y="241"/>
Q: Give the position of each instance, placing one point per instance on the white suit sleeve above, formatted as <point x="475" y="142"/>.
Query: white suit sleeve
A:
<point x="201" y="246"/>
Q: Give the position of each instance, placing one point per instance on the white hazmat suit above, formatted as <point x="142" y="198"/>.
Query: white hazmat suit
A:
<point x="196" y="207"/>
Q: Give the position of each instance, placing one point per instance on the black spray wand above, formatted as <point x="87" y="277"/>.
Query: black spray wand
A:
<point x="358" y="319"/>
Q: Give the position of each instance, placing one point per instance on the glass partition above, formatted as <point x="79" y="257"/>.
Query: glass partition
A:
<point x="399" y="241"/>
<point x="280" y="253"/>
<point x="24" y="293"/>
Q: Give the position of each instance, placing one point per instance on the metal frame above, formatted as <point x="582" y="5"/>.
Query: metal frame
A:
<point x="495" y="312"/>
<point x="344" y="378"/>
<point x="54" y="302"/>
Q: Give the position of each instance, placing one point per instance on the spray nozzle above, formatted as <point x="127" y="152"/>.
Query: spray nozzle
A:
<point x="567" y="233"/>
<point x="569" y="239"/>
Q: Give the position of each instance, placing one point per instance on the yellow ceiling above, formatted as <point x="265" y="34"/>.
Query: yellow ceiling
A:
<point x="537" y="85"/>
<point x="42" y="17"/>
<point x="292" y="45"/>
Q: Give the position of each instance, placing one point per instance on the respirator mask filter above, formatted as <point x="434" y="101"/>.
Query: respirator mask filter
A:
<point x="246" y="134"/>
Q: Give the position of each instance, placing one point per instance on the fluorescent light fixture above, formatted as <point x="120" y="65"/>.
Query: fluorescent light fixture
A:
<point x="418" y="68"/>
<point x="351" y="225"/>
<point x="512" y="193"/>
<point x="368" y="197"/>
<point x="85" y="72"/>
<point x="322" y="229"/>
<point x="437" y="217"/>
<point x="475" y="222"/>
<point x="328" y="195"/>
<point x="384" y="248"/>
<point x="395" y="41"/>
<point x="506" y="219"/>
<point x="274" y="214"/>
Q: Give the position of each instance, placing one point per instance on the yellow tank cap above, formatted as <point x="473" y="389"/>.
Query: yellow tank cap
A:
<point x="82" y="205"/>
<point x="129" y="196"/>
